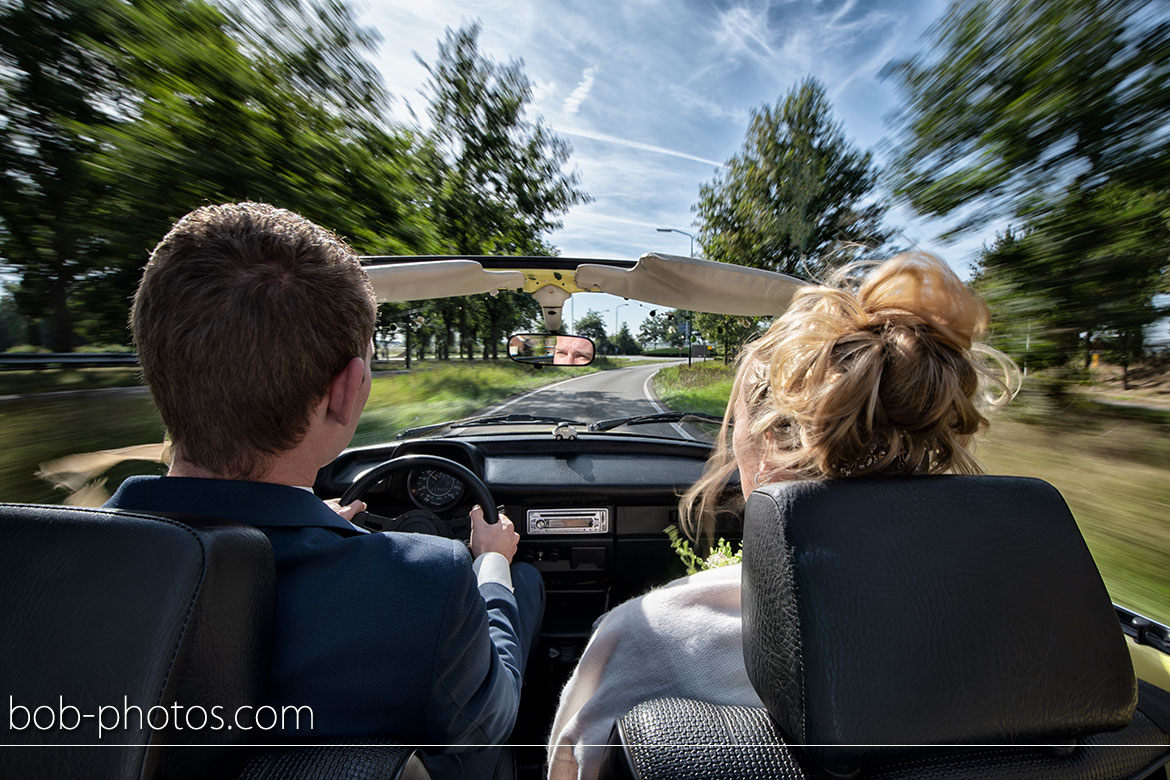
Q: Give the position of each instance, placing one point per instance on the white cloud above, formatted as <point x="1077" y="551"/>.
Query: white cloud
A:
<point x="636" y="145"/>
<point x="782" y="42"/>
<point x="743" y="32"/>
<point x="690" y="101"/>
<point x="869" y="68"/>
<point x="578" y="95"/>
<point x="543" y="92"/>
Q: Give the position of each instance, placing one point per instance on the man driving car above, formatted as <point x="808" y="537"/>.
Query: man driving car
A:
<point x="253" y="328"/>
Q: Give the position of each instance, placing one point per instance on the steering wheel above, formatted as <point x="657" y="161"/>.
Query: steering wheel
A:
<point x="479" y="490"/>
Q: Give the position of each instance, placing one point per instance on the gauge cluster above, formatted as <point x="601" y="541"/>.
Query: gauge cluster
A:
<point x="433" y="489"/>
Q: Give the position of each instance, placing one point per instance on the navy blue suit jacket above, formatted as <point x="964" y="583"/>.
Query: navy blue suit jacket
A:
<point x="382" y="634"/>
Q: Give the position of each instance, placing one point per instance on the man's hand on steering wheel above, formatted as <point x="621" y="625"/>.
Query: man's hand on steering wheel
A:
<point x="349" y="511"/>
<point x="498" y="537"/>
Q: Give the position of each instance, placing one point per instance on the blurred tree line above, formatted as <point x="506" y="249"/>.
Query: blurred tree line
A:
<point x="120" y="117"/>
<point x="1054" y="114"/>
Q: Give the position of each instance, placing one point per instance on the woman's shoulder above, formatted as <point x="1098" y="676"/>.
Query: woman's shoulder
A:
<point x="698" y="586"/>
<point x="707" y="600"/>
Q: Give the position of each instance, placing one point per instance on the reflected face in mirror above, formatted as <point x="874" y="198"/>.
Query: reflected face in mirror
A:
<point x="573" y="351"/>
<point x="550" y="349"/>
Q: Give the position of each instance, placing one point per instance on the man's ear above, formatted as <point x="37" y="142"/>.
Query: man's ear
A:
<point x="343" y="391"/>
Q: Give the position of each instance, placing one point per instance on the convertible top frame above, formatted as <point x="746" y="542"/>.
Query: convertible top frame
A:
<point x="666" y="280"/>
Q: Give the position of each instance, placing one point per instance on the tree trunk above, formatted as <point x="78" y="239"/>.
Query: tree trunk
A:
<point x="467" y="337"/>
<point x="491" y="343"/>
<point x="1088" y="348"/>
<point x="445" y="345"/>
<point x="61" y="336"/>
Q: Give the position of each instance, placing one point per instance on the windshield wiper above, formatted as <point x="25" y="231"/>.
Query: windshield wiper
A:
<point x="498" y="419"/>
<point x="508" y="419"/>
<point x="647" y="419"/>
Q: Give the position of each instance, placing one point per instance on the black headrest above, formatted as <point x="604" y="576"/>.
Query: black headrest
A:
<point x="924" y="611"/>
<point x="123" y="610"/>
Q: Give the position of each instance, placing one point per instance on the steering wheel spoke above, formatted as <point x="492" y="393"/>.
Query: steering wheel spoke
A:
<point x="460" y="526"/>
<point x="373" y="522"/>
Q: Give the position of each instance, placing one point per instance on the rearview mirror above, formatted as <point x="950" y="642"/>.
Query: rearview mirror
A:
<point x="550" y="349"/>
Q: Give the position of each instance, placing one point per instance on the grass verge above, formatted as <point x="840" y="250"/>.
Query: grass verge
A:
<point x="1112" y="465"/>
<point x="701" y="387"/>
<point x="1113" y="471"/>
<point x="37" y="430"/>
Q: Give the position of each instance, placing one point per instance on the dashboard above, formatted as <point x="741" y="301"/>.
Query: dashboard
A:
<point x="590" y="511"/>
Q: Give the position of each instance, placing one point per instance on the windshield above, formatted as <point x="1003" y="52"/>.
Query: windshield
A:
<point x="430" y="369"/>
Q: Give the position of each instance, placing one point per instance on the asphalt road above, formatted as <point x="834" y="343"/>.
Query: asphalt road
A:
<point x="601" y="396"/>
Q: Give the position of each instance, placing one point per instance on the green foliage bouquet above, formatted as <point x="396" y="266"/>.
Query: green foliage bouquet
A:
<point x="720" y="555"/>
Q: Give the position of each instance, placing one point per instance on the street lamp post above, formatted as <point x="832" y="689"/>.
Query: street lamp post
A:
<point x="691" y="236"/>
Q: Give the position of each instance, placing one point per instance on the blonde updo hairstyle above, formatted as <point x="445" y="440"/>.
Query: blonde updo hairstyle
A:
<point x="878" y="375"/>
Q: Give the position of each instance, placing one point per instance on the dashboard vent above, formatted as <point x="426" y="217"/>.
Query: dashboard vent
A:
<point x="568" y="521"/>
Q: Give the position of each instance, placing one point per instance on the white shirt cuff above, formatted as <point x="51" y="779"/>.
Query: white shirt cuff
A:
<point x="492" y="567"/>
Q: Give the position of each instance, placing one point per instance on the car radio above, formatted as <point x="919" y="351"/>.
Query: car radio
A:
<point x="568" y="521"/>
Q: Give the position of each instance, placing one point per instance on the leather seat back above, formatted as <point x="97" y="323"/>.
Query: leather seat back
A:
<point x="925" y="611"/>
<point x="129" y="630"/>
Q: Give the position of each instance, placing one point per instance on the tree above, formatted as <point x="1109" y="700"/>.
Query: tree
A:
<point x="1054" y="113"/>
<point x="729" y="332"/>
<point x="1015" y="101"/>
<point x="795" y="192"/>
<point x="1021" y="326"/>
<point x="272" y="103"/>
<point x="1088" y="267"/>
<point x="666" y="327"/>
<point x="591" y="326"/>
<point x="13" y="328"/>
<point x="625" y="343"/>
<point x="499" y="183"/>
<point x="129" y="115"/>
<point x="504" y="312"/>
<point x="496" y="183"/>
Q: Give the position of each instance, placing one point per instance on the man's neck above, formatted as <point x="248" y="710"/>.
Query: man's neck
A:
<point x="278" y="472"/>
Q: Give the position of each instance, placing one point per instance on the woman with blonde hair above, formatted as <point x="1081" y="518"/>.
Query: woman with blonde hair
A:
<point x="871" y="376"/>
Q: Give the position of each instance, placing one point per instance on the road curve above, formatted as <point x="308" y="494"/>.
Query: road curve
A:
<point x="618" y="393"/>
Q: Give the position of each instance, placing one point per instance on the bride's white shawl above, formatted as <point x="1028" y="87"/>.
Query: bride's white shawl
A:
<point x="682" y="639"/>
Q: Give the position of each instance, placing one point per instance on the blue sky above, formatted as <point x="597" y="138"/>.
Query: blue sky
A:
<point x="654" y="95"/>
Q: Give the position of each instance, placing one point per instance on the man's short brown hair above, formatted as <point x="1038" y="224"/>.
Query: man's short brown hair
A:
<point x="244" y="314"/>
